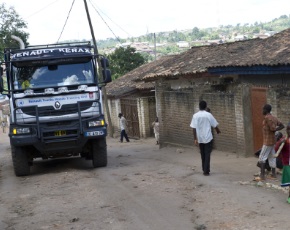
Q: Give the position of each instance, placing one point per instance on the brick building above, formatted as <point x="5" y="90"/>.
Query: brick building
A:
<point x="135" y="99"/>
<point x="236" y="79"/>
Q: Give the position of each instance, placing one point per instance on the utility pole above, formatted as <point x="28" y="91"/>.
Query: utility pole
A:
<point x="111" y="129"/>
<point x="155" y="46"/>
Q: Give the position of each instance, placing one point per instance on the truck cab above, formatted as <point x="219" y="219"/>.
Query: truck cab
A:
<point x="56" y="107"/>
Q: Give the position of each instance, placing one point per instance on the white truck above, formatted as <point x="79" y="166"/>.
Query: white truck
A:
<point x="56" y="107"/>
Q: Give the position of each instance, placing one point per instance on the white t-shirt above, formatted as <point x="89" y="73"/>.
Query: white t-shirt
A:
<point x="123" y="123"/>
<point x="203" y="121"/>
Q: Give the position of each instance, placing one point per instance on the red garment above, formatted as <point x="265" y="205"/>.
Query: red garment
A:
<point x="285" y="152"/>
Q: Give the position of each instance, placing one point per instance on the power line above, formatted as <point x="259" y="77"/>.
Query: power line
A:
<point x="107" y="23"/>
<point x="66" y="20"/>
<point x="41" y="9"/>
<point x="116" y="23"/>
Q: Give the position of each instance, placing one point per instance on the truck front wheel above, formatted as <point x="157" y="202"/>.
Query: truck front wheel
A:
<point x="20" y="161"/>
<point x="99" y="152"/>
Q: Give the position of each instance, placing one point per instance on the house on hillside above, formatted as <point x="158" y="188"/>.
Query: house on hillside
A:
<point x="240" y="37"/>
<point x="182" y="44"/>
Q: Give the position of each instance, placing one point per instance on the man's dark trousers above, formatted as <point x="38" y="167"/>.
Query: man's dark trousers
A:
<point x="205" y="152"/>
<point x="124" y="134"/>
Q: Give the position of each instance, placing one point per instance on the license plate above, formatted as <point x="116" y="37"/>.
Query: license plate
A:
<point x="94" y="133"/>
<point x="60" y="133"/>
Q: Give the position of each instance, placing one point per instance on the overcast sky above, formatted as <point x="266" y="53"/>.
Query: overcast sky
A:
<point x="127" y="18"/>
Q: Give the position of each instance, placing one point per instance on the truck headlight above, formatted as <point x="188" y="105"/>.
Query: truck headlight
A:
<point x="21" y="131"/>
<point x="96" y="123"/>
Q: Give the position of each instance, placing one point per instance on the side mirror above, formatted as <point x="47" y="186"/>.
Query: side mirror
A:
<point x="104" y="63"/>
<point x="1" y="84"/>
<point x="1" y="80"/>
<point x="106" y="75"/>
<point x="106" y="72"/>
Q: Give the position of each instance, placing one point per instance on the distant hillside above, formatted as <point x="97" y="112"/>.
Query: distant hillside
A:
<point x="173" y="42"/>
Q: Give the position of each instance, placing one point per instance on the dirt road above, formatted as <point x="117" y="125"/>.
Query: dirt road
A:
<point x="143" y="187"/>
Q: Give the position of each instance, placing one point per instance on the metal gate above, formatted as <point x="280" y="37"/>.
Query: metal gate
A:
<point x="130" y="112"/>
<point x="258" y="99"/>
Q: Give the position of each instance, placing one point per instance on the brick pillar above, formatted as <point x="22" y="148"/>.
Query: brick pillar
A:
<point x="143" y="116"/>
<point x="245" y="139"/>
<point x="160" y="86"/>
<point x="272" y="100"/>
<point x="117" y="110"/>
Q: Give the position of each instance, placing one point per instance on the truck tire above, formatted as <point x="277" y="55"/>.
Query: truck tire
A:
<point x="20" y="161"/>
<point x="99" y="153"/>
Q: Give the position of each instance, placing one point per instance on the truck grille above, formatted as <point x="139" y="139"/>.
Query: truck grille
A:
<point x="50" y="111"/>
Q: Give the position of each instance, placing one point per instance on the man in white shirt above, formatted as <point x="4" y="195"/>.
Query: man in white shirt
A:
<point x="202" y="123"/>
<point x="123" y="127"/>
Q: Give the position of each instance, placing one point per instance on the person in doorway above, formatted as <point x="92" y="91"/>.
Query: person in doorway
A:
<point x="202" y="123"/>
<point x="285" y="157"/>
<point x="270" y="125"/>
<point x="155" y="126"/>
<point x="123" y="127"/>
<point x="3" y="124"/>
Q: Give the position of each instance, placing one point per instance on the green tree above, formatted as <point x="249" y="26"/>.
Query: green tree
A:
<point x="11" y="24"/>
<point x="256" y="30"/>
<point x="123" y="60"/>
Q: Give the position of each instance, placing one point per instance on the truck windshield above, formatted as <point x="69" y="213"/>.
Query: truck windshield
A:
<point x="53" y="75"/>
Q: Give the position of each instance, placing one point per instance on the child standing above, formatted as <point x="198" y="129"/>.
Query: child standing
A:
<point x="155" y="126"/>
<point x="285" y="155"/>
<point x="123" y="127"/>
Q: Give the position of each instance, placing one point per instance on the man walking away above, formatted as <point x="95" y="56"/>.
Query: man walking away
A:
<point x="123" y="127"/>
<point x="202" y="123"/>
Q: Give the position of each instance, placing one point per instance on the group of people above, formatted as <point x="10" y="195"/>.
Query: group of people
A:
<point x="274" y="146"/>
<point x="123" y="127"/>
<point x="275" y="149"/>
<point x="271" y="125"/>
<point x="203" y="123"/>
